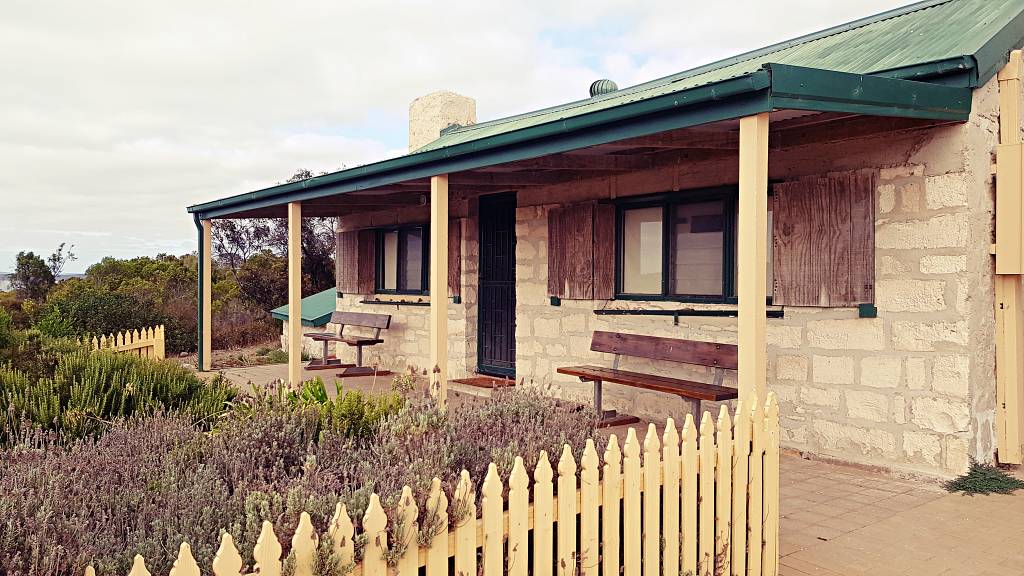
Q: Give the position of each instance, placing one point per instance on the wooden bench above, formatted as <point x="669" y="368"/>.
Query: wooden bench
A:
<point x="376" y="322"/>
<point x="720" y="356"/>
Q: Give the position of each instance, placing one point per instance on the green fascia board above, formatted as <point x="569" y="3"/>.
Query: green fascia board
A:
<point x="316" y="308"/>
<point x="732" y="98"/>
<point x="797" y="87"/>
<point x="995" y="53"/>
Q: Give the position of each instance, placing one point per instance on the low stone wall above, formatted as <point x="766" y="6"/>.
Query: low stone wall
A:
<point x="310" y="347"/>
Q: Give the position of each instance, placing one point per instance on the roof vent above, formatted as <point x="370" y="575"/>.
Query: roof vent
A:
<point x="603" y="86"/>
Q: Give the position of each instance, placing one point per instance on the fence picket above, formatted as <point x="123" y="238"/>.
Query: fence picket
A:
<point x="770" y="564"/>
<point x="138" y="567"/>
<point x="518" y="520"/>
<point x="631" y="505"/>
<point x="227" y="561"/>
<point x="543" y="517"/>
<point x="652" y="502"/>
<point x="341" y="533"/>
<point x="611" y="498"/>
<point x="740" y="478"/>
<point x="437" y="511"/>
<point x="492" y="523"/>
<point x="304" y="544"/>
<point x="690" y="496"/>
<point x="755" y="504"/>
<point x="90" y="571"/>
<point x="706" y="498"/>
<point x="670" y="498"/>
<point x="408" y="534"/>
<point x="590" y="503"/>
<point x="185" y="563"/>
<point x="567" y="553"/>
<point x="723" y="494"/>
<point x="465" y="528"/>
<point x="375" y="525"/>
<point x="267" y="553"/>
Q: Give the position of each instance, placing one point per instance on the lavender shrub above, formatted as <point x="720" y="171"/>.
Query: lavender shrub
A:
<point x="152" y="482"/>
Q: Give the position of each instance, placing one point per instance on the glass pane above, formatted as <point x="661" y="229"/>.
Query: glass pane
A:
<point x="412" y="253"/>
<point x="390" y="268"/>
<point x="698" y="238"/>
<point x="641" y="251"/>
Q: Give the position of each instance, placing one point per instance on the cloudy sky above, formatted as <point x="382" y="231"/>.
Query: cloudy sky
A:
<point x="114" y="116"/>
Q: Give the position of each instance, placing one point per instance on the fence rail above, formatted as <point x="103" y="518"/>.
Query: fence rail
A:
<point x="700" y="502"/>
<point x="147" y="343"/>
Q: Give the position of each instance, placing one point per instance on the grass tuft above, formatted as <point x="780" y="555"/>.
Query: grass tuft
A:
<point x="984" y="479"/>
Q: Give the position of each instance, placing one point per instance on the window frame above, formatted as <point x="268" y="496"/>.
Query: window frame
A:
<point x="668" y="201"/>
<point x="402" y="230"/>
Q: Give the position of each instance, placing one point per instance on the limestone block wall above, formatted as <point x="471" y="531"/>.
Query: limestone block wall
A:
<point x="913" y="389"/>
<point x="407" y="342"/>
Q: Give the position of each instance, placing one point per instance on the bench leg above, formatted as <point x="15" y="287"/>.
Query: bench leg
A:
<point x="695" y="410"/>
<point x="323" y="359"/>
<point x="359" y="355"/>
<point x="597" y="399"/>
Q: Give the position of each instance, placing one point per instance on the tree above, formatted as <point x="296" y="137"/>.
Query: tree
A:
<point x="235" y="242"/>
<point x="32" y="278"/>
<point x="60" y="258"/>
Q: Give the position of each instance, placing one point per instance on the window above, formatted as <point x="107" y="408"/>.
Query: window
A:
<point x="402" y="261"/>
<point x="680" y="247"/>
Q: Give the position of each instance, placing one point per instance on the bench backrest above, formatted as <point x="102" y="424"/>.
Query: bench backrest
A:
<point x="671" y="349"/>
<point x="363" y="319"/>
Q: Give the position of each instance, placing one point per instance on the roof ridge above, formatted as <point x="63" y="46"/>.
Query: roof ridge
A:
<point x="731" y="60"/>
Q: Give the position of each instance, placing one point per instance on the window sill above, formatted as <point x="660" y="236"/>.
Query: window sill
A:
<point x="676" y="314"/>
<point x="391" y="300"/>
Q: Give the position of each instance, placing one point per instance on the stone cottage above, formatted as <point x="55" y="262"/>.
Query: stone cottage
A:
<point x="834" y="205"/>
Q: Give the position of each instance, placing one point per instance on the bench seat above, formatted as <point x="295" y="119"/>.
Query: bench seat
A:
<point x="684" y="388"/>
<point x="350" y="340"/>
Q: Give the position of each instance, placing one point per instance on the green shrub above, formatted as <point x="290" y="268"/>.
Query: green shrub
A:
<point x="984" y="479"/>
<point x="7" y="334"/>
<point x="350" y="413"/>
<point x="88" y="390"/>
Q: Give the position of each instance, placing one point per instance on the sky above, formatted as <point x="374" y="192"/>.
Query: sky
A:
<point x="115" y="116"/>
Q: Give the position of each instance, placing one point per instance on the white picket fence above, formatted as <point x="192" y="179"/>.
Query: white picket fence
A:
<point x="700" y="503"/>
<point x="147" y="343"/>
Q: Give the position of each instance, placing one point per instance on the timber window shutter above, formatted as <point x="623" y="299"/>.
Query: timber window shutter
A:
<point x="455" y="257"/>
<point x="823" y="240"/>
<point x="581" y="251"/>
<point x="355" y="261"/>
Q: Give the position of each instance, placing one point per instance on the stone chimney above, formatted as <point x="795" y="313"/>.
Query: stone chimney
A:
<point x="430" y="114"/>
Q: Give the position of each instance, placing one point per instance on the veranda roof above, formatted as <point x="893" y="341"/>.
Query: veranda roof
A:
<point x="919" y="61"/>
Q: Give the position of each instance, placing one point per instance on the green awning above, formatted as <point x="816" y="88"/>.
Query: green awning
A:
<point x="316" y="309"/>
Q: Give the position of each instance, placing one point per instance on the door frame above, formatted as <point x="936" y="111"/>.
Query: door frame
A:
<point x="481" y="368"/>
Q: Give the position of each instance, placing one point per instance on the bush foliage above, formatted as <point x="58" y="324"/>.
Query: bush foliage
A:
<point x="150" y="483"/>
<point x="88" y="390"/>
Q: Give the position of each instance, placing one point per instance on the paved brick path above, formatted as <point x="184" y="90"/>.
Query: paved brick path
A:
<point x="838" y="520"/>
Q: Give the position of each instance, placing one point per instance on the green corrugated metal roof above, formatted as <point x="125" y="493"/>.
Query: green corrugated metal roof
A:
<point x="843" y="69"/>
<point x="316" y="309"/>
<point x="896" y="43"/>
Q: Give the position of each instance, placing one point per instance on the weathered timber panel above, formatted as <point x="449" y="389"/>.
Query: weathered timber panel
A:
<point x="823" y="240"/>
<point x="604" y="252"/>
<point x="455" y="257"/>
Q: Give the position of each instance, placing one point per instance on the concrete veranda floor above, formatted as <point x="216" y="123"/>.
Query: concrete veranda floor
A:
<point x="844" y="520"/>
